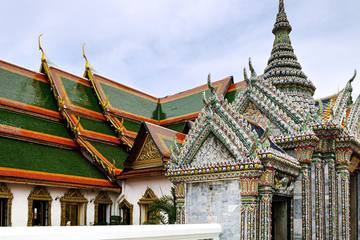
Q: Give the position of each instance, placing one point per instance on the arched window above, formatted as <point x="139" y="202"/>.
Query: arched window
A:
<point x="144" y="203"/>
<point x="5" y="205"/>
<point x="39" y="207"/>
<point x="126" y="212"/>
<point x="102" y="209"/>
<point x="73" y="208"/>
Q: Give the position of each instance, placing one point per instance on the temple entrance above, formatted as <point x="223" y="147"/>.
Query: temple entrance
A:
<point x="281" y="218"/>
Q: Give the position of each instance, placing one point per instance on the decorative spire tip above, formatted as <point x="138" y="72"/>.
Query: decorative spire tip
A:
<point x="252" y="70"/>
<point x="43" y="58"/>
<point x="87" y="65"/>
<point x="281" y="6"/>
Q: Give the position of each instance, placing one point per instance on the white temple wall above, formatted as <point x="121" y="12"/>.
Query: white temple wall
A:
<point x="134" y="189"/>
<point x="19" y="209"/>
<point x="215" y="202"/>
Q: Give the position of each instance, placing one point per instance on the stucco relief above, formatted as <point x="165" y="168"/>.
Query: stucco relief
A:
<point x="212" y="150"/>
<point x="253" y="114"/>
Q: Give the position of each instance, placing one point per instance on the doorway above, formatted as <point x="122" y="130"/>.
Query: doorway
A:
<point x="72" y="214"/>
<point x="40" y="213"/>
<point x="3" y="212"/>
<point x="281" y="218"/>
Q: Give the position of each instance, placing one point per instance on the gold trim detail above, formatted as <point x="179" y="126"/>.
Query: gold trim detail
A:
<point x="72" y="196"/>
<point x="125" y="203"/>
<point x="149" y="151"/>
<point x="5" y="193"/>
<point x="101" y="198"/>
<point x="149" y="156"/>
<point x="148" y="197"/>
<point x="42" y="194"/>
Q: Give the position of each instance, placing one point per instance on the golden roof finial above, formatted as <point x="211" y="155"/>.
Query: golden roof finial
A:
<point x="87" y="65"/>
<point x="43" y="58"/>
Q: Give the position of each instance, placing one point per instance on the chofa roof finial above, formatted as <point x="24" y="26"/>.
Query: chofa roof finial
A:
<point x="43" y="58"/>
<point x="87" y="65"/>
<point x="252" y="70"/>
<point x="210" y="86"/>
<point x="246" y="78"/>
<point x="354" y="76"/>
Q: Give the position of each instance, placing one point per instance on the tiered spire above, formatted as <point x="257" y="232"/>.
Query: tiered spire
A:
<point x="283" y="69"/>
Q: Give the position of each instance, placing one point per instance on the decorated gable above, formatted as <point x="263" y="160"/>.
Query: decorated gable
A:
<point x="149" y="156"/>
<point x="219" y="135"/>
<point x="261" y="101"/>
<point x="212" y="151"/>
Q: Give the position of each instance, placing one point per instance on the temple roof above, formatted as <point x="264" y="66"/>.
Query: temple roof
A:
<point x="151" y="151"/>
<point x="35" y="144"/>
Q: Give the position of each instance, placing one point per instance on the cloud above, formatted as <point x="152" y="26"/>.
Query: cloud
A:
<point x="166" y="46"/>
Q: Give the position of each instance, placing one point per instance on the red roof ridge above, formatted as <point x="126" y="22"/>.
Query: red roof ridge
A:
<point x="198" y="88"/>
<point x="25" y="70"/>
<point x="87" y="81"/>
<point x="124" y="86"/>
<point x="235" y="86"/>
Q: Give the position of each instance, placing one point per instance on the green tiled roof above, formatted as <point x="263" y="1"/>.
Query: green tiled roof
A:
<point x="179" y="126"/>
<point x="113" y="153"/>
<point x="230" y="96"/>
<point x="97" y="126"/>
<point x="182" y="106"/>
<point x="130" y="103"/>
<point x="131" y="125"/>
<point x="26" y="90"/>
<point x="81" y="95"/>
<point x="33" y="123"/>
<point x="30" y="156"/>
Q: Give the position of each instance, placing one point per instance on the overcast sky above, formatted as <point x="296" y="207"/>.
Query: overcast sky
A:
<point x="166" y="46"/>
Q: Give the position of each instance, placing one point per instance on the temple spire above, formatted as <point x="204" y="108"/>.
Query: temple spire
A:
<point x="281" y="6"/>
<point x="281" y="19"/>
<point x="283" y="69"/>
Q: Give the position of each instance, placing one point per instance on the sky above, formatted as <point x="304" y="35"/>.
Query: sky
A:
<point x="163" y="47"/>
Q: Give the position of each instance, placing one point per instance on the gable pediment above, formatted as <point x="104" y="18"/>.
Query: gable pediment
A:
<point x="218" y="129"/>
<point x="148" y="156"/>
<point x="212" y="151"/>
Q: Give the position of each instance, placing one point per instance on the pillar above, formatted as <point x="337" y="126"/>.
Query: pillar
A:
<point x="249" y="217"/>
<point x="265" y="204"/>
<point x="180" y="202"/>
<point x="332" y="213"/>
<point x="304" y="155"/>
<point x="343" y="194"/>
<point x="319" y="201"/>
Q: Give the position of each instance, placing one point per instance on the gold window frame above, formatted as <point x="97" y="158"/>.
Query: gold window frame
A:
<point x="101" y="198"/>
<point x="5" y="193"/>
<point x="148" y="197"/>
<point x="72" y="196"/>
<point x="125" y="203"/>
<point x="42" y="194"/>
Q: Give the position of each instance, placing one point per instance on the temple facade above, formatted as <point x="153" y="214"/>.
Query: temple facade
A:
<point x="260" y="156"/>
<point x="274" y="163"/>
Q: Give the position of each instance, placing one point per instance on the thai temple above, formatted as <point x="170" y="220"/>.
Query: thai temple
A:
<point x="258" y="155"/>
